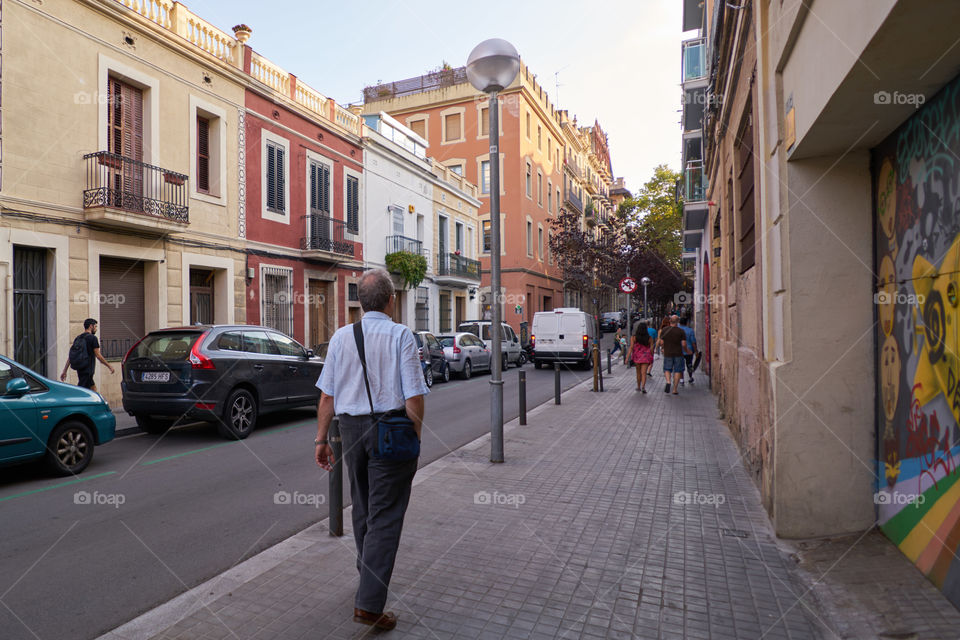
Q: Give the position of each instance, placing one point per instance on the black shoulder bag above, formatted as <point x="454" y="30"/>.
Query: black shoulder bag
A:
<point x="397" y="440"/>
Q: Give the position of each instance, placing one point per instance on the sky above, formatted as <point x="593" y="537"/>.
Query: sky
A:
<point x="616" y="61"/>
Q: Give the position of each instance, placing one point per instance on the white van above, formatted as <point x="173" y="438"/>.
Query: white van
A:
<point x="562" y="335"/>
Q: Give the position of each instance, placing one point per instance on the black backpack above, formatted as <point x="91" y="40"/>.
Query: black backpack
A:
<point x="78" y="356"/>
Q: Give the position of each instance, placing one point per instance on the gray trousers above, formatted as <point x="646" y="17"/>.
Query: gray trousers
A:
<point x="380" y="491"/>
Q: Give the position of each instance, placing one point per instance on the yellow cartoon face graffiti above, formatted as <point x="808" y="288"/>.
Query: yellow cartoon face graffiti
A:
<point x="937" y="314"/>
<point x="887" y="198"/>
<point x="886" y="293"/>
<point x="889" y="376"/>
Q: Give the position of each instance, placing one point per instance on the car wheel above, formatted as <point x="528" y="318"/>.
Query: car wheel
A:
<point x="522" y="359"/>
<point x="537" y="364"/>
<point x="506" y="363"/>
<point x="428" y="376"/>
<point x="152" y="425"/>
<point x="446" y="373"/>
<point x="239" y="415"/>
<point x="70" y="448"/>
<point x="467" y="370"/>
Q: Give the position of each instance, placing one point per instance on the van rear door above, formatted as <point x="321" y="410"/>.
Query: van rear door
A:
<point x="572" y="328"/>
<point x="545" y="331"/>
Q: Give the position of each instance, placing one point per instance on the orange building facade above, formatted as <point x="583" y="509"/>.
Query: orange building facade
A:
<point x="444" y="109"/>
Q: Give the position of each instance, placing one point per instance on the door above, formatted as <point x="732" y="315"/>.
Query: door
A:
<point x="299" y="375"/>
<point x="319" y="326"/>
<point x="18" y="420"/>
<point x="125" y="139"/>
<point x="201" y="296"/>
<point x="30" y="307"/>
<point x="442" y="230"/>
<point x="461" y="311"/>
<point x="397" y="224"/>
<point x="121" y="306"/>
<point x="269" y="368"/>
<point x="320" y="223"/>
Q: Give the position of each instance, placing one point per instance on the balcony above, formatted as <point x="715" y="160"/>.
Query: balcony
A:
<point x="456" y="269"/>
<point x="694" y="182"/>
<point x="403" y="243"/>
<point x="325" y="238"/>
<point x="694" y="60"/>
<point x="125" y="193"/>
<point x="573" y="200"/>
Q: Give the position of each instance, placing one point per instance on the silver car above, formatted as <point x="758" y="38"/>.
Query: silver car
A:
<point x="465" y="353"/>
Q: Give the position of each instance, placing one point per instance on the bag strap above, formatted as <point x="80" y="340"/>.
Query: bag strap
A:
<point x="358" y="338"/>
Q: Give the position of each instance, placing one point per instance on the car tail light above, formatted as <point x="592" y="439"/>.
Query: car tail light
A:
<point x="124" y="361"/>
<point x="420" y="353"/>
<point x="197" y="359"/>
<point x="456" y="349"/>
<point x="206" y="406"/>
<point x="586" y="342"/>
<point x="533" y="342"/>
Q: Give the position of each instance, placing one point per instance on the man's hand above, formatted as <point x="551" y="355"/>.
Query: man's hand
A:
<point x="324" y="455"/>
<point x="63" y="377"/>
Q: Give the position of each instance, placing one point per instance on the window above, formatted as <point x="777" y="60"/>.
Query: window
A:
<point x="259" y="342"/>
<point x="539" y="137"/>
<point x="528" y="126"/>
<point x="319" y="189"/>
<point x="487" y="240"/>
<point x="203" y="154"/>
<point x="353" y="294"/>
<point x="352" y="205"/>
<point x="549" y="248"/>
<point x="458" y="240"/>
<point x="201" y="296"/>
<point x="539" y="242"/>
<point x="419" y="127"/>
<point x="529" y="181"/>
<point x="549" y="147"/>
<point x="558" y="199"/>
<point x="485" y="176"/>
<point x="484" y="122"/>
<point x="124" y="119"/>
<point x="286" y="346"/>
<point x="549" y="197"/>
<point x="276" y="188"/>
<point x="451" y="127"/>
<point x="540" y="187"/>
<point x="529" y="238"/>
<point x="276" y="295"/>
<point x="457" y="169"/>
<point x="745" y="191"/>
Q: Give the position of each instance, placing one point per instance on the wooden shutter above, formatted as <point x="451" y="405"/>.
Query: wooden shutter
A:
<point x="271" y="177"/>
<point x="325" y="189"/>
<point x="746" y="192"/>
<point x="281" y="177"/>
<point x="121" y="306"/>
<point x="419" y="127"/>
<point x="452" y="127"/>
<point x="203" y="155"/>
<point x="485" y="121"/>
<point x="353" y="204"/>
<point x="314" y="188"/>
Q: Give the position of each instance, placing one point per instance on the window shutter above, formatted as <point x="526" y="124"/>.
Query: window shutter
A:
<point x="485" y="121"/>
<point x="281" y="177"/>
<point x="419" y="127"/>
<point x="453" y="127"/>
<point x="353" y="204"/>
<point x="121" y="323"/>
<point x="325" y="189"/>
<point x="314" y="189"/>
<point x="271" y="177"/>
<point x="203" y="155"/>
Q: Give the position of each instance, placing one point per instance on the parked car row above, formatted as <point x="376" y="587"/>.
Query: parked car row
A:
<point x="227" y="375"/>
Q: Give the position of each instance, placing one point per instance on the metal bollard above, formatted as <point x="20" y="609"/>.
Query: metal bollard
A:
<point x="523" y="397"/>
<point x="556" y="383"/>
<point x="336" y="479"/>
<point x="609" y="371"/>
<point x="595" y="365"/>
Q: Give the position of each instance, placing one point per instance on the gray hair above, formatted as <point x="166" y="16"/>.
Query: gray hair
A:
<point x="374" y="289"/>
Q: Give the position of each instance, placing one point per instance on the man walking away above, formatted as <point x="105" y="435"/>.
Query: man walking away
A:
<point x="83" y="356"/>
<point x="673" y="341"/>
<point x="692" y="344"/>
<point x="380" y="488"/>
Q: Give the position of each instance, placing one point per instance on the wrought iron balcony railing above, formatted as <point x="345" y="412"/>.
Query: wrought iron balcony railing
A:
<point x="403" y="243"/>
<point x="574" y="200"/>
<point x="118" y="182"/>
<point x="326" y="234"/>
<point x="452" y="264"/>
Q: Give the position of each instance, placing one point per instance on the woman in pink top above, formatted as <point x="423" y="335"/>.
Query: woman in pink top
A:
<point x="641" y="352"/>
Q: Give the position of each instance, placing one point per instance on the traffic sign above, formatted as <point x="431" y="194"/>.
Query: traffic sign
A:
<point x="628" y="285"/>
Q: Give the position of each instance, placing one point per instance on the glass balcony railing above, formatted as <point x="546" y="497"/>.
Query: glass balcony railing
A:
<point x="694" y="183"/>
<point x="694" y="60"/>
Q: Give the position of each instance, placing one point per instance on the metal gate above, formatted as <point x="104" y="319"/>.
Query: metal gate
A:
<point x="29" y="308"/>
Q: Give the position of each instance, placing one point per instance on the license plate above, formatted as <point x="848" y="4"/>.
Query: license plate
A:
<point x="155" y="376"/>
<point x="545" y="341"/>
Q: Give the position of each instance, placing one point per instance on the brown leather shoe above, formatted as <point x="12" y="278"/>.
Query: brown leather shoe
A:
<point x="384" y="621"/>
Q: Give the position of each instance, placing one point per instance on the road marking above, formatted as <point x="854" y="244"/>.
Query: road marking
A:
<point x="56" y="486"/>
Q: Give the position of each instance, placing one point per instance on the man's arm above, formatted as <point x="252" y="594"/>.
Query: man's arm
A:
<point x="63" y="374"/>
<point x="415" y="407"/>
<point x="96" y="353"/>
<point x="683" y="345"/>
<point x="323" y="453"/>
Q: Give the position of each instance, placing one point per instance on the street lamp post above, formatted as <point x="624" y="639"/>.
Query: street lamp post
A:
<point x="645" y="281"/>
<point x="491" y="67"/>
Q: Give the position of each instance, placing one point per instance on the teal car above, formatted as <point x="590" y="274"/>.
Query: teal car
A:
<point x="42" y="418"/>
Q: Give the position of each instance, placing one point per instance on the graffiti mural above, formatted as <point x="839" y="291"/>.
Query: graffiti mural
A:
<point x="916" y="181"/>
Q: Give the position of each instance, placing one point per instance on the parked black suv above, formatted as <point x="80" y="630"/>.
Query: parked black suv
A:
<point x="225" y="374"/>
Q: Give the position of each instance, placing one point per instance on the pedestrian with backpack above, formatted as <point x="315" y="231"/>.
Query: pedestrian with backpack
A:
<point x="83" y="356"/>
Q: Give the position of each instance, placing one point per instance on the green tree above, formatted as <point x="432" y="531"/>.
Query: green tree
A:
<point x="652" y="219"/>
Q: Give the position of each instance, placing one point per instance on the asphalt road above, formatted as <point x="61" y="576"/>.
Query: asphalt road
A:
<point x="153" y="516"/>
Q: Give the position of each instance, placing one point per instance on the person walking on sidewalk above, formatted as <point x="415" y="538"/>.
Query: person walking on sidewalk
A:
<point x="642" y="355"/>
<point x="692" y="344"/>
<point x="673" y="341"/>
<point x="617" y="342"/>
<point x="363" y="388"/>
<point x="83" y="356"/>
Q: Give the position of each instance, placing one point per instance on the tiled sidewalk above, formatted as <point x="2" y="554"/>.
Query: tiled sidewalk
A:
<point x="616" y="515"/>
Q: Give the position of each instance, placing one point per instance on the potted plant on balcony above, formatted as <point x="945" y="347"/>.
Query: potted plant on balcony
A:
<point x="110" y="160"/>
<point x="173" y="178"/>
<point x="242" y="32"/>
<point x="411" y="267"/>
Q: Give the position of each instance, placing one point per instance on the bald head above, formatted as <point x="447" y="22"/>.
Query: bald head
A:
<point x="674" y="321"/>
<point x="375" y="288"/>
